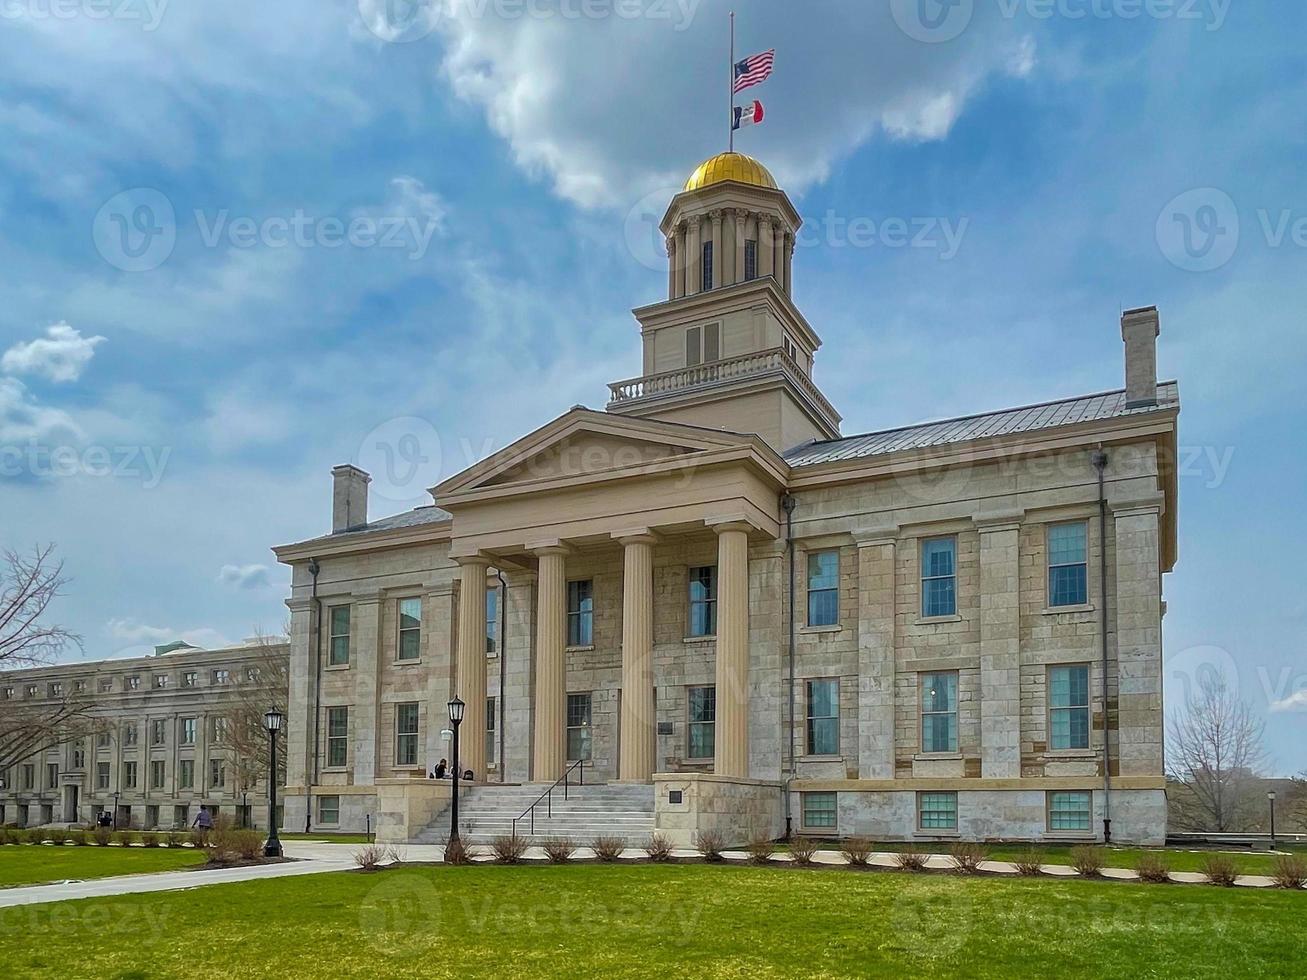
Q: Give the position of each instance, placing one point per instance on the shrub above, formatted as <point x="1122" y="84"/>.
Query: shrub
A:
<point x="369" y="858"/>
<point x="710" y="844"/>
<point x="1290" y="871"/>
<point x="222" y="846"/>
<point x="508" y="848"/>
<point x="101" y="836"/>
<point x="1030" y="862"/>
<point x="802" y="849"/>
<point x="1220" y="869"/>
<point x="199" y="837"/>
<point x="125" y="838"/>
<point x="457" y="852"/>
<point x="173" y="838"/>
<point x="1088" y="861"/>
<point x="559" y="850"/>
<point x="150" y="839"/>
<point x="761" y="850"/>
<point x="967" y="856"/>
<point x="248" y="844"/>
<point x="77" y="837"/>
<point x="36" y="835"/>
<point x="608" y="849"/>
<point x="658" y="848"/>
<point x="910" y="859"/>
<point x="57" y="837"/>
<point x="1153" y="868"/>
<point x="857" y="851"/>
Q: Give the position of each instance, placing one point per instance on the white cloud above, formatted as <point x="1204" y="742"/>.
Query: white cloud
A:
<point x="1297" y="701"/>
<point x="139" y="638"/>
<point x="24" y="420"/>
<point x="246" y="576"/>
<point x="61" y="355"/>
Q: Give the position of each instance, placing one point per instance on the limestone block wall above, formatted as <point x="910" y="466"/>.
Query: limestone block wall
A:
<point x="740" y="809"/>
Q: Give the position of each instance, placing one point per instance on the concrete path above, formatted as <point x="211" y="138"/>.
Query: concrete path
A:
<point x="313" y="857"/>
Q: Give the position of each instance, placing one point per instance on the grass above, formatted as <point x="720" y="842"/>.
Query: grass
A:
<point x="28" y="864"/>
<point x="647" y="920"/>
<point x="330" y="838"/>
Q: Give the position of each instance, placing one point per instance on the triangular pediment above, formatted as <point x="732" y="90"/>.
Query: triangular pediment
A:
<point x="585" y="443"/>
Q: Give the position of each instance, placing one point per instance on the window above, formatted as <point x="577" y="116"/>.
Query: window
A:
<point x="492" y="621"/>
<point x="750" y="260"/>
<point x="129" y="734"/>
<point x="217" y="774"/>
<point x="703" y="601"/>
<point x="158" y="732"/>
<point x="1068" y="564"/>
<point x="221" y="676"/>
<point x="79" y="756"/>
<point x="578" y="727"/>
<point x="337" y="737"/>
<point x="29" y="776"/>
<point x="189" y="678"/>
<point x="329" y="809"/>
<point x="707" y="266"/>
<point x="186" y="733"/>
<point x="1069" y="810"/>
<point x="491" y="754"/>
<point x="186" y="774"/>
<point x="156" y="774"/>
<point x="937" y="811"/>
<point x="939" y="712"/>
<point x="132" y="683"/>
<point x="218" y="730"/>
<point x="410" y="629"/>
<point x="52" y="775"/>
<point x="31" y="690"/>
<point x="703" y="345"/>
<point x="819" y="810"/>
<point x="251" y="675"/>
<point x="703" y="722"/>
<point x="56" y="690"/>
<point x="1068" y="707"/>
<point x="824" y="717"/>
<point x="102" y="740"/>
<point x="580" y="614"/>
<point x="823" y="588"/>
<point x="105" y="685"/>
<point x="79" y="687"/>
<point x="939" y="577"/>
<point x="129" y="775"/>
<point x="160" y="681"/>
<point x="338" y="644"/>
<point x="102" y="775"/>
<point x="9" y="693"/>
<point x="406" y="734"/>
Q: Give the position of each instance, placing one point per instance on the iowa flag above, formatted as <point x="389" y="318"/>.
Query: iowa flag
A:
<point x="748" y="115"/>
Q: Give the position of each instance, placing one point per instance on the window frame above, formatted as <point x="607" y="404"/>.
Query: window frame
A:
<point x="1050" y="798"/>
<point x="324" y="810"/>
<point x="336" y="639"/>
<point x="750" y="259"/>
<point x="1069" y="709"/>
<point x="217" y="774"/>
<point x="185" y="773"/>
<point x="805" y="801"/>
<point x="129" y="774"/>
<point x="402" y="630"/>
<point x="922" y="797"/>
<point x="401" y="710"/>
<point x="706" y="256"/>
<point x="708" y="603"/>
<point x="583" y="729"/>
<point x="701" y="724"/>
<point x="492" y="621"/>
<point x="832" y="590"/>
<point x="337" y="741"/>
<point x="703" y="344"/>
<point x="102" y="776"/>
<point x="188" y="730"/>
<point x="809" y="741"/>
<point x="492" y="746"/>
<point x="1082" y="597"/>
<point x="157" y="768"/>
<point x="580" y="613"/>
<point x="158" y="731"/>
<point x="922" y="712"/>
<point x="951" y="577"/>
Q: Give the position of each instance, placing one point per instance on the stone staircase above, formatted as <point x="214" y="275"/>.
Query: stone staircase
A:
<point x="486" y="811"/>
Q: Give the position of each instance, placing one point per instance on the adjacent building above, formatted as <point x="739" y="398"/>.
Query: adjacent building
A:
<point x="160" y="742"/>
<point x="946" y="630"/>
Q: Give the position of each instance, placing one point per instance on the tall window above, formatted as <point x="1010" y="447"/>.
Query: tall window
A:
<point x="187" y="731"/>
<point x="52" y="775"/>
<point x="102" y="775"/>
<point x="185" y="774"/>
<point x="29" y="776"/>
<point x="189" y="678"/>
<point x="132" y="683"/>
<point x="337" y="737"/>
<point x="339" y="643"/>
<point x="492" y="620"/>
<point x="156" y="774"/>
<point x="823" y="588"/>
<point x="158" y="731"/>
<point x="819" y="810"/>
<point x="750" y="260"/>
<point x="580" y="613"/>
<point x="218" y="731"/>
<point x="703" y="601"/>
<point x="102" y="740"/>
<point x="703" y="722"/>
<point x="160" y="681"/>
<point x="129" y="775"/>
<point x="824" y="716"/>
<point x="703" y="345"/>
<point x="1068" y="564"/>
<point x="937" y="811"/>
<point x="410" y="629"/>
<point x="217" y="774"/>
<point x="1068" y="707"/>
<point x="129" y="734"/>
<point x="707" y="266"/>
<point x="406" y="734"/>
<point x="1069" y="810"/>
<point x="491" y="754"/>
<point x="939" y="577"/>
<point x="221" y="676"/>
<point x="939" y="712"/>
<point x="578" y="727"/>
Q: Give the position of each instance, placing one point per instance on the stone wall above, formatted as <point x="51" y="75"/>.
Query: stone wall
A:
<point x="740" y="809"/>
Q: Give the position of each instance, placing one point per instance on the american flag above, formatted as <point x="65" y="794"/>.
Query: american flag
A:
<point x="754" y="70"/>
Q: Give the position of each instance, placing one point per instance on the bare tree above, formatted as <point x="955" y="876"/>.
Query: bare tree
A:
<point x="28" y="584"/>
<point x="1215" y="753"/>
<point x="246" y="737"/>
<point x="1298" y="801"/>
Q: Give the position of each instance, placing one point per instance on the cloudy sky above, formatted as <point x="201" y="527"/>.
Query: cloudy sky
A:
<point x="243" y="242"/>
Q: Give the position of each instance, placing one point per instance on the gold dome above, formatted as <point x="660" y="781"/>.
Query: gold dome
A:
<point x="730" y="166"/>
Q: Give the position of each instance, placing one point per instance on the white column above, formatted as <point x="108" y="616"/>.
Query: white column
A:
<point x="678" y="266"/>
<point x="551" y="667"/>
<point x="741" y="235"/>
<point x="718" y="249"/>
<point x="671" y="267"/>
<point x="732" y="729"/>
<point x="789" y="264"/>
<point x="766" y="246"/>
<point x="638" y="719"/>
<point x="778" y="258"/>
<point x="693" y="258"/>
<point x="470" y="673"/>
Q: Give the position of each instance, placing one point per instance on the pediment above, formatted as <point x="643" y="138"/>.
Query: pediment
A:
<point x="585" y="443"/>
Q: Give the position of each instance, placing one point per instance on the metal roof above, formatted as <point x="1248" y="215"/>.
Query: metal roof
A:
<point x="1029" y="418"/>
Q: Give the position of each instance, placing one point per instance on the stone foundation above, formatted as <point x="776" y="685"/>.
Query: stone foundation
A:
<point x="405" y="807"/>
<point x="741" y="809"/>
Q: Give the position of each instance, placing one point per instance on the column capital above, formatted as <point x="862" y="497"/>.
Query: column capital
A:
<point x="300" y="604"/>
<point x="730" y="522"/>
<point x="471" y="560"/>
<point x="635" y="535"/>
<point x="999" y="520"/>
<point x="548" y="546"/>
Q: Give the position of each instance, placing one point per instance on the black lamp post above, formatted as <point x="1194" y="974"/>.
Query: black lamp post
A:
<point x="1270" y="798"/>
<point x="456" y="708"/>
<point x="115" y="810"/>
<point x="272" y="722"/>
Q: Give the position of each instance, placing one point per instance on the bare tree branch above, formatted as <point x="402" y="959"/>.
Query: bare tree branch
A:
<point x="247" y="739"/>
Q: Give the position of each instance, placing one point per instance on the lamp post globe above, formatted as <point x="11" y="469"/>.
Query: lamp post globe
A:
<point x="272" y="721"/>
<point x="456" y="708"/>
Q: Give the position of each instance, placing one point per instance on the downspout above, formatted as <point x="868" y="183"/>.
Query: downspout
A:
<point x="1099" y="460"/>
<point x="503" y="671"/>
<point x="788" y="503"/>
<point x="314" y="568"/>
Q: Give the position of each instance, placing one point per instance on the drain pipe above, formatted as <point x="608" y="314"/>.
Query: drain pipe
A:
<point x="788" y="503"/>
<point x="314" y="568"/>
<point x="1099" y="459"/>
<point x="500" y="722"/>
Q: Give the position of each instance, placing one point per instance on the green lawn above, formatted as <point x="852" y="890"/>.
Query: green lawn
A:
<point x="330" y="838"/>
<point x="33" y="864"/>
<point x="647" y="920"/>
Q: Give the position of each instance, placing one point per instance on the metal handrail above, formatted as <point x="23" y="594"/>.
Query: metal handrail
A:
<point x="548" y="797"/>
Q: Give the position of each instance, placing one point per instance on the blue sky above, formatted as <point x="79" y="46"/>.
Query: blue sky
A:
<point x="424" y="228"/>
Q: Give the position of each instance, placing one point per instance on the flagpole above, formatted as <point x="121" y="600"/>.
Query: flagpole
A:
<point x="731" y="116"/>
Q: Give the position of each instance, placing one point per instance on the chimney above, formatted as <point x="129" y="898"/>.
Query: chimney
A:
<point x="1139" y="330"/>
<point x="349" y="498"/>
